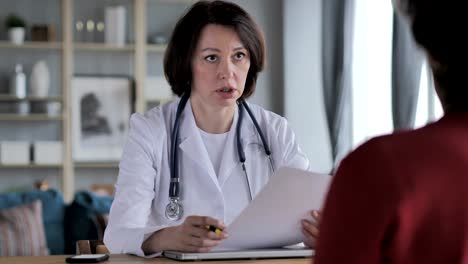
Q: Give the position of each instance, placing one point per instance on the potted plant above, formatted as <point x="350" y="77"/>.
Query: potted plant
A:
<point x="16" y="28"/>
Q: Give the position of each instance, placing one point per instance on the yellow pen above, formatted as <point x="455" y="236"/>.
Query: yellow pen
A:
<point x="213" y="229"/>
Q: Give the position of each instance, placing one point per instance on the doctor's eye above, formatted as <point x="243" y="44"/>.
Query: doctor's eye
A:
<point x="239" y="55"/>
<point x="211" y="58"/>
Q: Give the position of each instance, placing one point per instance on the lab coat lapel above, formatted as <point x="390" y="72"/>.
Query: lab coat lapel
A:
<point x="230" y="159"/>
<point x="192" y="144"/>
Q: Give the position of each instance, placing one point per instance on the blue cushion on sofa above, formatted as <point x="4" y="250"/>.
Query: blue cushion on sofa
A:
<point x="53" y="210"/>
<point x="95" y="203"/>
<point x="81" y="218"/>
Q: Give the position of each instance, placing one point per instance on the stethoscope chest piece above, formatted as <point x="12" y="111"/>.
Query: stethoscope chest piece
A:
<point x="174" y="210"/>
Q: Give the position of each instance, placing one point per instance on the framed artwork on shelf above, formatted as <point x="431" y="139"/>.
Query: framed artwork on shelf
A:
<point x="101" y="107"/>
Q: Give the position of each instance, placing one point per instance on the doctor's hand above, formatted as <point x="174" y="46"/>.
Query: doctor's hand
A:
<point x="311" y="228"/>
<point x="194" y="236"/>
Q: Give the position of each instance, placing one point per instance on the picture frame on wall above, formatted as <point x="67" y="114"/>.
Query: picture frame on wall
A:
<point x="101" y="107"/>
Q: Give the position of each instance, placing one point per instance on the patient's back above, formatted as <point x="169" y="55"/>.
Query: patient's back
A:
<point x="401" y="198"/>
<point x="431" y="215"/>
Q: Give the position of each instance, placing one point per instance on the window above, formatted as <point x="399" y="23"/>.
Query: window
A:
<point x="429" y="108"/>
<point x="371" y="74"/>
<point x="371" y="69"/>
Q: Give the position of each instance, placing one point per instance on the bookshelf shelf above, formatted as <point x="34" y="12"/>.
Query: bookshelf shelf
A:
<point x="96" y="165"/>
<point x="10" y="98"/>
<point x="39" y="45"/>
<point x="29" y="117"/>
<point x="103" y="47"/>
<point x="31" y="166"/>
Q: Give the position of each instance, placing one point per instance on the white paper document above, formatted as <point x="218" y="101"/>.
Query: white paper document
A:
<point x="273" y="218"/>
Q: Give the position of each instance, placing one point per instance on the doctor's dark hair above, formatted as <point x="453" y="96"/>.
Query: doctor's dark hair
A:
<point x="438" y="26"/>
<point x="184" y="40"/>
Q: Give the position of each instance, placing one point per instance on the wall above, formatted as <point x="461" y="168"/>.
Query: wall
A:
<point x="268" y="14"/>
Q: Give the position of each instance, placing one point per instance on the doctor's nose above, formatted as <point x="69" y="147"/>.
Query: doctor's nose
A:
<point x="225" y="70"/>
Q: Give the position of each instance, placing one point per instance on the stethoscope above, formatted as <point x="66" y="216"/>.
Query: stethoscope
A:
<point x="174" y="209"/>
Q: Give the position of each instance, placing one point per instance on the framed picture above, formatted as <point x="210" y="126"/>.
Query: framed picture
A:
<point x="101" y="108"/>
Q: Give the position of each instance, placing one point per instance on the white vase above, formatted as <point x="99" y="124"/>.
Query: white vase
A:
<point x="40" y="80"/>
<point x="16" y="35"/>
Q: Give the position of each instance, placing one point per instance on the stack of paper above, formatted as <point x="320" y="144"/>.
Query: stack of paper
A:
<point x="273" y="218"/>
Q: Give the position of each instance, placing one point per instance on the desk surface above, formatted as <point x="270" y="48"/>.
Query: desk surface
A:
<point x="123" y="259"/>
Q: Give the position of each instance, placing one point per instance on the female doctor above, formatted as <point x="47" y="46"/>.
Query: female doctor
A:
<point x="199" y="160"/>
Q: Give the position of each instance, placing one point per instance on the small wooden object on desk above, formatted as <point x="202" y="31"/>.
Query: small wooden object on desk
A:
<point x="91" y="247"/>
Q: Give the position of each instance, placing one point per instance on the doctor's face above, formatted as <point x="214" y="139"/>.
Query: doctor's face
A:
<point x="219" y="66"/>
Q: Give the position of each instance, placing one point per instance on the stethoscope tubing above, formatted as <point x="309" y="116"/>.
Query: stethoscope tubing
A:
<point x="174" y="184"/>
<point x="174" y="187"/>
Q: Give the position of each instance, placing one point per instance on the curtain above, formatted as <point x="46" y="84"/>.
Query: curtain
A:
<point x="407" y="62"/>
<point x="337" y="40"/>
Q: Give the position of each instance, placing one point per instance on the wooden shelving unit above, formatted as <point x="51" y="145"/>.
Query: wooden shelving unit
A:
<point x="68" y="50"/>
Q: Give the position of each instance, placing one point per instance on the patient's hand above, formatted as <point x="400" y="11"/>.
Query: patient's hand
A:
<point x="311" y="228"/>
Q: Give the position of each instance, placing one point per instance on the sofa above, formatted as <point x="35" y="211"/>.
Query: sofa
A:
<point x="42" y="219"/>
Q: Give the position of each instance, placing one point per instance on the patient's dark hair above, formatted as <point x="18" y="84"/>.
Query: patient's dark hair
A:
<point x="437" y="27"/>
<point x="184" y="40"/>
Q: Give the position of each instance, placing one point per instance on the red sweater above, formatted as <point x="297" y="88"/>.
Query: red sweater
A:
<point x="401" y="198"/>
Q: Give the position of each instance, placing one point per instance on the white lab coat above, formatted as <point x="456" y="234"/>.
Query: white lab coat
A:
<point x="142" y="187"/>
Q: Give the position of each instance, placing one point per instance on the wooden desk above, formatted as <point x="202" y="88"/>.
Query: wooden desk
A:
<point x="124" y="259"/>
